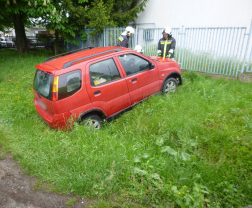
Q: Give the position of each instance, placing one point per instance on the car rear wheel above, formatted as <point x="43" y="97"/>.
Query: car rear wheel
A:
<point x="92" y="121"/>
<point x="170" y="85"/>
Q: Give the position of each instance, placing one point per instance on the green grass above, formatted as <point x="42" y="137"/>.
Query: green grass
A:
<point x="186" y="149"/>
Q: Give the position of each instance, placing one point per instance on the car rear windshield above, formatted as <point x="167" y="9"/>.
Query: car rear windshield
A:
<point x="42" y="83"/>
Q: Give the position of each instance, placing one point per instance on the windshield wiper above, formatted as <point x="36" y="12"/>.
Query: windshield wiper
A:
<point x="38" y="94"/>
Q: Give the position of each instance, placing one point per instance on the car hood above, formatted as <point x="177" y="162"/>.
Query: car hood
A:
<point x="166" y="63"/>
<point x="161" y="59"/>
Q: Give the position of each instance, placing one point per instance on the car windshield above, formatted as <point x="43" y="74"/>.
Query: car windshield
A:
<point x="43" y="84"/>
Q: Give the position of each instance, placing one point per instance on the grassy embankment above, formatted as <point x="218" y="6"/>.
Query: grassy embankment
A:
<point x="190" y="148"/>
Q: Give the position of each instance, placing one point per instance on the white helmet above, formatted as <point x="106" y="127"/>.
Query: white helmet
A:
<point x="138" y="49"/>
<point x="167" y="30"/>
<point x="129" y="30"/>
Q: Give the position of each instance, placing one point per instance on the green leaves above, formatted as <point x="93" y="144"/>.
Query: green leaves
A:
<point x="100" y="13"/>
<point x="179" y="155"/>
<point x="169" y="150"/>
<point x="139" y="171"/>
<point x="82" y="1"/>
<point x="66" y="16"/>
<point x="185" y="156"/>
<point x="137" y="160"/>
<point x="160" y="141"/>
<point x="83" y="36"/>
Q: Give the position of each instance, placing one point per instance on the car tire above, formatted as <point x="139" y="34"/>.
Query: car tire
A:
<point x="170" y="85"/>
<point x="92" y="121"/>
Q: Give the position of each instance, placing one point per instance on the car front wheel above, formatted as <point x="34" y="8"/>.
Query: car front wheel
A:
<point x="170" y="85"/>
<point x="92" y="121"/>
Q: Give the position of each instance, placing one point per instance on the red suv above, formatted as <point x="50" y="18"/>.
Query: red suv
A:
<point x="92" y="84"/>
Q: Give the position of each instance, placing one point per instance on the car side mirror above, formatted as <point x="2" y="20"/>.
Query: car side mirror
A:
<point x="151" y="65"/>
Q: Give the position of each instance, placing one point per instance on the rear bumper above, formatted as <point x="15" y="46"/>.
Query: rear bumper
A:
<point x="56" y="121"/>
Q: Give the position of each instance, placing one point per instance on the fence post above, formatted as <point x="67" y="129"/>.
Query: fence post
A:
<point x="246" y="51"/>
<point x="104" y="33"/>
<point x="137" y="34"/>
<point x="180" y="45"/>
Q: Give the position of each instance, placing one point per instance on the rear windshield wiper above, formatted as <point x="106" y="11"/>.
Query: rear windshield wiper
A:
<point x="37" y="92"/>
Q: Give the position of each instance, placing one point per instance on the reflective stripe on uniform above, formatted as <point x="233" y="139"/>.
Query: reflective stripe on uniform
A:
<point x="165" y="41"/>
<point x="120" y="38"/>
<point x="165" y="46"/>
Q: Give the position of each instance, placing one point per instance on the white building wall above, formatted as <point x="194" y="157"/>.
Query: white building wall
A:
<point x="196" y="13"/>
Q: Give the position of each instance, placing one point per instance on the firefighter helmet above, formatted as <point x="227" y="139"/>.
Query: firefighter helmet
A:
<point x="168" y="31"/>
<point x="138" y="49"/>
<point x="129" y="30"/>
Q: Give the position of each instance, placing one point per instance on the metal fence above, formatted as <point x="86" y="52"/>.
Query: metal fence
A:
<point x="214" y="50"/>
<point x="107" y="38"/>
<point x="217" y="50"/>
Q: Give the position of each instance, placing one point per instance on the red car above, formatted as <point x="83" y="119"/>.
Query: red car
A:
<point x="93" y="84"/>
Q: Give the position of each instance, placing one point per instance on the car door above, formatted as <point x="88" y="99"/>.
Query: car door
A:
<point x="106" y="87"/>
<point x="142" y="80"/>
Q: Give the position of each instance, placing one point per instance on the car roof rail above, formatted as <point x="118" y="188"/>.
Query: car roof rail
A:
<point x="68" y="64"/>
<point x="64" y="54"/>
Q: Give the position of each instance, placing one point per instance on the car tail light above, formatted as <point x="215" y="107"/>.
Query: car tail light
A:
<point x="55" y="88"/>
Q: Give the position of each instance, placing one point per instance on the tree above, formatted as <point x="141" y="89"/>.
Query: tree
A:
<point x="99" y="14"/>
<point x="14" y="12"/>
<point x="21" y="12"/>
<point x="5" y="22"/>
<point x="71" y="17"/>
<point x="68" y="17"/>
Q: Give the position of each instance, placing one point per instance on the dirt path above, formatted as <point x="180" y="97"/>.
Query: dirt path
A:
<point x="17" y="190"/>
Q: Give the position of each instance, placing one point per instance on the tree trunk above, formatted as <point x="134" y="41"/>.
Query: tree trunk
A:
<point x="56" y="43"/>
<point x="21" y="42"/>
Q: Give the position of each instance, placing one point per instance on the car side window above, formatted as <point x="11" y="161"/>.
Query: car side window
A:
<point x="103" y="72"/>
<point x="133" y="64"/>
<point x="69" y="84"/>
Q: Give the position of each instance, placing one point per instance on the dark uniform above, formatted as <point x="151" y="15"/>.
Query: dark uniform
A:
<point x="123" y="41"/>
<point x="165" y="45"/>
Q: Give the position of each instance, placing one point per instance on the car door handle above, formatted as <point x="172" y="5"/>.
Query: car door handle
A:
<point x="97" y="92"/>
<point x="135" y="79"/>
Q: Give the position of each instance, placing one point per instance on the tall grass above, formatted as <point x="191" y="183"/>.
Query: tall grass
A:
<point x="190" y="148"/>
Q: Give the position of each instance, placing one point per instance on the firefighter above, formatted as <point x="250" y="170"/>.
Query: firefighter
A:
<point x="167" y="44"/>
<point x="124" y="37"/>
